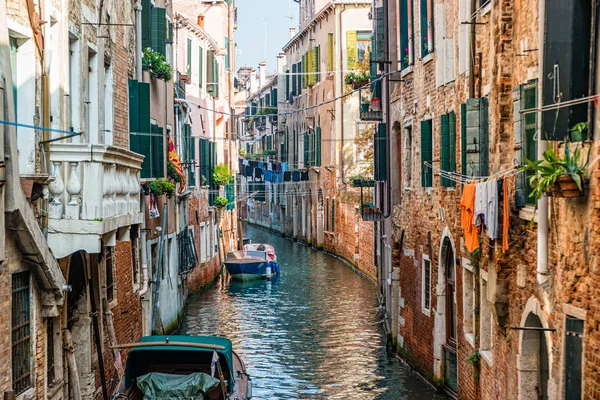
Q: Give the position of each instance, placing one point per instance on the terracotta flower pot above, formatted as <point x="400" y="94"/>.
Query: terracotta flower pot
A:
<point x="566" y="187"/>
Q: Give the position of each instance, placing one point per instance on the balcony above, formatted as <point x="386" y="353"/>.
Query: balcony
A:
<point x="95" y="196"/>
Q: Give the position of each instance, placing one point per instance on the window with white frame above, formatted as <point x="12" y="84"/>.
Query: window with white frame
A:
<point x="426" y="284"/>
<point x="486" y="323"/>
<point x="468" y="302"/>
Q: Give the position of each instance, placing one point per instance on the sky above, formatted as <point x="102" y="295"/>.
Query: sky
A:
<point x="250" y="35"/>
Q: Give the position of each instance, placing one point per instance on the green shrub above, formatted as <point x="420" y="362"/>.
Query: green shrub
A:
<point x="221" y="201"/>
<point x="156" y="64"/>
<point x="158" y="187"/>
<point x="221" y="175"/>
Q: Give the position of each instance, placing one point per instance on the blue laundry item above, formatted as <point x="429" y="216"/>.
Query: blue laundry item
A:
<point x="268" y="175"/>
<point x="284" y="167"/>
<point x="261" y="165"/>
<point x="249" y="171"/>
<point x="278" y="177"/>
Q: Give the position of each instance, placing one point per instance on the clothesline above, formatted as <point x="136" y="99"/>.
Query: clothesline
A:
<point x="460" y="178"/>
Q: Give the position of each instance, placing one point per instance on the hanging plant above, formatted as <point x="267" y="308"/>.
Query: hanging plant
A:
<point x="156" y="64"/>
<point x="242" y="152"/>
<point x="221" y="201"/>
<point x="221" y="175"/>
<point x="161" y="186"/>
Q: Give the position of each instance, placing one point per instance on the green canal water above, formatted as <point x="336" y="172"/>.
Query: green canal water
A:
<point x="312" y="333"/>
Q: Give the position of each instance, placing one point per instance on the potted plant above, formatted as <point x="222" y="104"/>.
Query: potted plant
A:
<point x="221" y="175"/>
<point x="579" y="132"/>
<point x="161" y="186"/>
<point x="357" y="79"/>
<point x="221" y="201"/>
<point x="296" y="175"/>
<point x="156" y="64"/>
<point x="557" y="177"/>
<point x="242" y="152"/>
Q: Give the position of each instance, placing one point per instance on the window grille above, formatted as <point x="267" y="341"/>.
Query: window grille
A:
<point x="21" y="333"/>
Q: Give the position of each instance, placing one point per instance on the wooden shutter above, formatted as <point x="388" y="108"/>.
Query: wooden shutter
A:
<point x="169" y="32"/>
<point x="484" y="137"/>
<point x="274" y="98"/>
<point x="293" y="78"/>
<point x="318" y="163"/>
<point x="158" y="152"/>
<point x="215" y="77"/>
<point x="287" y="84"/>
<point x="380" y="152"/>
<point x="189" y="57"/>
<point x="158" y="32"/>
<point x="318" y="63"/>
<point x="426" y="154"/>
<point x="444" y="148"/>
<point x="529" y="129"/>
<point x="452" y="145"/>
<point x="306" y="160"/>
<point x="200" y="65"/>
<point x="473" y="142"/>
<point x="226" y="52"/>
<point x="380" y="35"/>
<point x="134" y="110"/>
<point x="351" y="48"/>
<point x="574" y="335"/>
<point x="518" y="146"/>
<point x="146" y="24"/>
<point x="330" y="50"/>
<point x="566" y="67"/>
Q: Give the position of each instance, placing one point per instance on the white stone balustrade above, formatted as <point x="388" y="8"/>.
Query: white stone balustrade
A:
<point x="96" y="190"/>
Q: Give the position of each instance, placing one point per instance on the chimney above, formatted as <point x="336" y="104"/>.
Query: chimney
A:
<point x="262" y="74"/>
<point x="281" y="63"/>
<point x="292" y="32"/>
<point x="252" y="84"/>
<point x="201" y="21"/>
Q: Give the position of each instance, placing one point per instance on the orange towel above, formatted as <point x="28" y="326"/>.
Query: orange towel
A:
<point x="505" y="218"/>
<point x="467" y="205"/>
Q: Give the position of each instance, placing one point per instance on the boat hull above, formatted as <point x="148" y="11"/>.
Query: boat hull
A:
<point x="249" y="271"/>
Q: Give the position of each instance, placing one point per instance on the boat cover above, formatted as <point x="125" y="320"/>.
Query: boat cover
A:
<point x="160" y="386"/>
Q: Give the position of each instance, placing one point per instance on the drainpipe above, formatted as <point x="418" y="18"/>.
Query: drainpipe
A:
<point x="472" y="46"/>
<point x="46" y="133"/>
<point x="138" y="41"/>
<point x="542" y="216"/>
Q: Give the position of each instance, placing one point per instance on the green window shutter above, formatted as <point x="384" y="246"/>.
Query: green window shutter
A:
<point x="274" y="98"/>
<point x="144" y="107"/>
<point x="520" y="198"/>
<point x="463" y="139"/>
<point x="216" y="77"/>
<point x="426" y="154"/>
<point x="209" y="71"/>
<point x="351" y="49"/>
<point x="303" y="77"/>
<point x="287" y="84"/>
<point x="203" y="162"/>
<point x="158" y="32"/>
<point x="299" y="78"/>
<point x="452" y="147"/>
<point x="134" y="108"/>
<point x="189" y="57"/>
<point x="267" y="99"/>
<point x="200" y="65"/>
<point x="477" y="137"/>
<point x="145" y="149"/>
<point x="226" y="52"/>
<point x="424" y="37"/>
<point x="380" y="152"/>
<point x="318" y="163"/>
<point x="380" y="34"/>
<point x="330" y="50"/>
<point x="146" y="24"/>
<point x="191" y="156"/>
<point x="157" y="152"/>
<point x="306" y="161"/>
<point x="404" y="43"/>
<point x="318" y="63"/>
<point x="444" y="148"/>
<point x="529" y="101"/>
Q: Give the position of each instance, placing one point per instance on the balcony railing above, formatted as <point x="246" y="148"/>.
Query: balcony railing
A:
<point x="96" y="189"/>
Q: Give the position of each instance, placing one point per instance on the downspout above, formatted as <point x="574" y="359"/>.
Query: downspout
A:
<point x="542" y="146"/>
<point x="138" y="41"/>
<point x="472" y="46"/>
<point x="46" y="133"/>
<point x="386" y="92"/>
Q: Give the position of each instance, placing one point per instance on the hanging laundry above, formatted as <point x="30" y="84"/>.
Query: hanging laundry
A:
<point x="278" y="177"/>
<point x="270" y="166"/>
<point x="284" y="167"/>
<point x="480" y="204"/>
<point x="258" y="173"/>
<point x="249" y="171"/>
<point x="491" y="217"/>
<point x="467" y="206"/>
<point x="505" y="218"/>
<point x="254" y="164"/>
<point x="261" y="165"/>
<point x="278" y="167"/>
<point x="246" y="162"/>
<point x="268" y="175"/>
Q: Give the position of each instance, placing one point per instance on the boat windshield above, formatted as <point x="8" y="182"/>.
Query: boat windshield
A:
<point x="246" y="255"/>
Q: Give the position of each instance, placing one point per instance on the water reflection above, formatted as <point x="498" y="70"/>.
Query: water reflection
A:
<point x="311" y="333"/>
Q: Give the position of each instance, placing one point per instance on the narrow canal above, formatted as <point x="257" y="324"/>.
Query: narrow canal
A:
<point x="312" y="333"/>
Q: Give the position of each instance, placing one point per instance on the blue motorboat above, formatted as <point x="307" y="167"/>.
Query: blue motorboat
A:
<point x="248" y="265"/>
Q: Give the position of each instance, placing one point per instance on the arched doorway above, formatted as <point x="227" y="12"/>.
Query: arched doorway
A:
<point x="450" y="345"/>
<point x="533" y="361"/>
